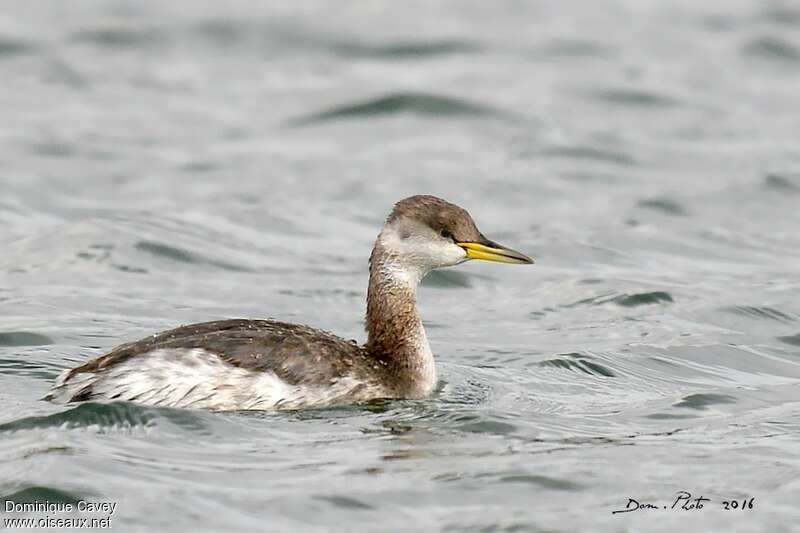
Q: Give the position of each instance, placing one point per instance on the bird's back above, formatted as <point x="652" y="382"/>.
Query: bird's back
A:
<point x="229" y="364"/>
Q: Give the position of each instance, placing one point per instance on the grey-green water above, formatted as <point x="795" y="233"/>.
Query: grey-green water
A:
<point x="169" y="162"/>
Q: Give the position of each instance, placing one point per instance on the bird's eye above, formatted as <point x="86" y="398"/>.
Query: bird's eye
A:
<point x="446" y="234"/>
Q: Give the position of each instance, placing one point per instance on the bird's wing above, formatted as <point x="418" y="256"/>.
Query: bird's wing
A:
<point x="295" y="353"/>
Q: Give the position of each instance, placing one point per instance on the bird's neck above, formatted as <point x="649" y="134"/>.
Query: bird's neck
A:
<point x="394" y="328"/>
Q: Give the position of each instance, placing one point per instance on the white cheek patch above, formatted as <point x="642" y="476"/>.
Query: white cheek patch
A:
<point x="421" y="249"/>
<point x="453" y="254"/>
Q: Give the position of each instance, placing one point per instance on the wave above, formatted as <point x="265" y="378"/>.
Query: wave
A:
<point x="423" y="104"/>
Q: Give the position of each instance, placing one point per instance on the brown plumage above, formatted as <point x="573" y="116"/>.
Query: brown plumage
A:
<point x="297" y="354"/>
<point x="314" y="367"/>
<point x="437" y="214"/>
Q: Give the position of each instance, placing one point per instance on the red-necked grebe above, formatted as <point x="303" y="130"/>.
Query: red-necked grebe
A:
<point x="265" y="364"/>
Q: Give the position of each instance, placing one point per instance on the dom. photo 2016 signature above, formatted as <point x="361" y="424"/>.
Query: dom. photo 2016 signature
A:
<point x="685" y="501"/>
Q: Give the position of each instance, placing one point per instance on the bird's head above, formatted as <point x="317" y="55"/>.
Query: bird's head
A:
<point x="425" y="232"/>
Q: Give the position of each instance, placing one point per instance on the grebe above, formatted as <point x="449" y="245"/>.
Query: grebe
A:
<point x="265" y="364"/>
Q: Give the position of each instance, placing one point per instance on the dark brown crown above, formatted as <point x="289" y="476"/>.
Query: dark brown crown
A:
<point x="439" y="215"/>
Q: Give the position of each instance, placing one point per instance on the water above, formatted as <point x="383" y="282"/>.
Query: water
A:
<point x="164" y="163"/>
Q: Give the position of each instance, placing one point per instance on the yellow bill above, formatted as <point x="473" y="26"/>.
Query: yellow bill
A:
<point x="491" y="251"/>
